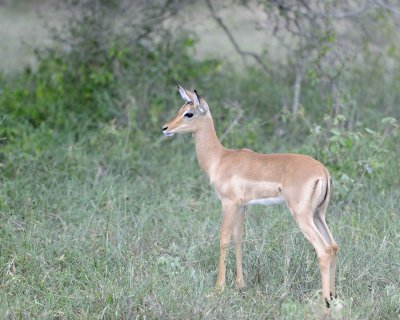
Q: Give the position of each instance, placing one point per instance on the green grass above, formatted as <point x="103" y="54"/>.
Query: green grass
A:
<point x="98" y="229"/>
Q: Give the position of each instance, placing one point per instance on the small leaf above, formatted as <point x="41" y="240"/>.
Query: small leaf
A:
<point x="390" y="120"/>
<point x="369" y="131"/>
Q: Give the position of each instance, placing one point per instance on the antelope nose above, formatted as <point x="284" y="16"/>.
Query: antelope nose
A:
<point x="164" y="128"/>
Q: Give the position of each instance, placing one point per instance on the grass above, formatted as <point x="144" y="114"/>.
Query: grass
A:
<point x="98" y="229"/>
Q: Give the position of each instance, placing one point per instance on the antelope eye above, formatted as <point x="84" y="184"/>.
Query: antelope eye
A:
<point x="188" y="115"/>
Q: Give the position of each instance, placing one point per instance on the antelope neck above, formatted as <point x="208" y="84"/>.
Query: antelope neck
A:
<point x="208" y="148"/>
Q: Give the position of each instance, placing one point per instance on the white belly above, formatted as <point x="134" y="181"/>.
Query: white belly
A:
<point x="267" y="201"/>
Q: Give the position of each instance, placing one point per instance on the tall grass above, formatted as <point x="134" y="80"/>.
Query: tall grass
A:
<point x="99" y="229"/>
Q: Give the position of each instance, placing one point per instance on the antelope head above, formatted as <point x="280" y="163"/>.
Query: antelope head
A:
<point x="190" y="116"/>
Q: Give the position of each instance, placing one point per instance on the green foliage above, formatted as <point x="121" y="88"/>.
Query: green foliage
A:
<point x="92" y="70"/>
<point x="351" y="155"/>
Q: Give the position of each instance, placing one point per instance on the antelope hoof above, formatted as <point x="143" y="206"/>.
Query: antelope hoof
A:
<point x="219" y="288"/>
<point x="240" y="284"/>
<point x="327" y="303"/>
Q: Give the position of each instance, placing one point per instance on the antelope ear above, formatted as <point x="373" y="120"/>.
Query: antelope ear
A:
<point x="196" y="98"/>
<point x="183" y="93"/>
<point x="200" y="102"/>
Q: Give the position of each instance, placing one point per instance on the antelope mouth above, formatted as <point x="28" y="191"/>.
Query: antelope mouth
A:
<point x="166" y="132"/>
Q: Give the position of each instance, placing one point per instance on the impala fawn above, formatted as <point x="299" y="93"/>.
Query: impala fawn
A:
<point x="243" y="177"/>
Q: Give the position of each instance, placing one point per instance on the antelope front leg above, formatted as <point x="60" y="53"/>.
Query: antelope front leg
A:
<point x="237" y="240"/>
<point x="228" y="222"/>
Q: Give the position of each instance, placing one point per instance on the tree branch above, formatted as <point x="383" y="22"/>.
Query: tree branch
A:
<point x="234" y="43"/>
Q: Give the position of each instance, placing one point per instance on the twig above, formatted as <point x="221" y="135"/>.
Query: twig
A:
<point x="234" y="43"/>
<point x="297" y="87"/>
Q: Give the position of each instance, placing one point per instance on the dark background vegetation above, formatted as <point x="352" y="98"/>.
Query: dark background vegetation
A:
<point x="102" y="217"/>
